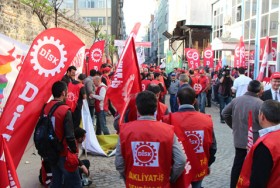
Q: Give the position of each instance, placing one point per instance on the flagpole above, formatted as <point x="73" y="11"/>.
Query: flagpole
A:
<point x="257" y="41"/>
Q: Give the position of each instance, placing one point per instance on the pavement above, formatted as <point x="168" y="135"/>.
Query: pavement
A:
<point x="103" y="172"/>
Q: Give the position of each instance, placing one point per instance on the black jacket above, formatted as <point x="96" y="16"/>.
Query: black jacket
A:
<point x="266" y="95"/>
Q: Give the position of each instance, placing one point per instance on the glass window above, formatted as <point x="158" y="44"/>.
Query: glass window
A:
<point x="109" y="20"/>
<point x="233" y="16"/>
<point x="221" y="20"/>
<point x="247" y="9"/>
<point x="233" y="2"/>
<point x="274" y="4"/>
<point x="264" y="26"/>
<point x="238" y="14"/>
<point x="101" y="20"/>
<point x="273" y="28"/>
<point x="265" y="6"/>
<point x="254" y="7"/>
<point x="101" y="4"/>
<point x="86" y="4"/>
<point x="246" y="29"/>
<point x="253" y="29"/>
<point x="238" y="2"/>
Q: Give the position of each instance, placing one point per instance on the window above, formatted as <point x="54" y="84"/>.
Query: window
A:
<point x="253" y="29"/>
<point x="246" y="30"/>
<point x="264" y="26"/>
<point x="109" y="21"/>
<point x="274" y="4"/>
<point x="101" y="4"/>
<point x="233" y="16"/>
<point x="247" y="9"/>
<point x="254" y="7"/>
<point x="86" y="4"/>
<point x="238" y="14"/>
<point x="273" y="28"/>
<point x="101" y="20"/>
<point x="265" y="6"/>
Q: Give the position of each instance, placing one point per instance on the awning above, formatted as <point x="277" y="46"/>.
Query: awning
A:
<point x="224" y="44"/>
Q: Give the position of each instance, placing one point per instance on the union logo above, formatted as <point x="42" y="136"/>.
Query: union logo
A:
<point x="196" y="139"/>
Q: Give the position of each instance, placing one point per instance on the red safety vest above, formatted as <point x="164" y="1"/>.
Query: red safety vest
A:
<point x="270" y="141"/>
<point x="161" y="109"/>
<point x="195" y="85"/>
<point x="97" y="102"/>
<point x="145" y="84"/>
<point x="73" y="95"/>
<point x="198" y="129"/>
<point x="147" y="150"/>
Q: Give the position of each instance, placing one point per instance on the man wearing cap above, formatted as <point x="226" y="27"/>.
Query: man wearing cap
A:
<point x="172" y="90"/>
<point x="273" y="93"/>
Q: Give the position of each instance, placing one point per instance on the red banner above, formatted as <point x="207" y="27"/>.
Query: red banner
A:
<point x="265" y="57"/>
<point x="208" y="57"/>
<point x="239" y="54"/>
<point x="126" y="82"/>
<point x="8" y="172"/>
<point x="48" y="58"/>
<point x="86" y="59"/>
<point x="192" y="57"/>
<point x="250" y="131"/>
<point x="95" y="55"/>
<point x="273" y="49"/>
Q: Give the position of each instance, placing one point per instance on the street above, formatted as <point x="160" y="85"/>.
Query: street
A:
<point x="103" y="173"/>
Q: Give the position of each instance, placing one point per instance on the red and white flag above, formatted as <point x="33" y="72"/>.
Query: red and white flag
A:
<point x="250" y="131"/>
<point x="126" y="82"/>
<point x="8" y="172"/>
<point x="48" y="58"/>
<point x="95" y="55"/>
<point x="192" y="57"/>
<point x="208" y="57"/>
<point x="265" y="58"/>
<point x="239" y="54"/>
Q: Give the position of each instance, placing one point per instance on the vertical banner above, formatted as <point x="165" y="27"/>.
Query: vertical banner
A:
<point x="86" y="59"/>
<point x="169" y="62"/>
<point x="95" y="55"/>
<point x="48" y="58"/>
<point x="192" y="57"/>
<point x="265" y="58"/>
<point x="8" y="172"/>
<point x="250" y="131"/>
<point x="208" y="57"/>
<point x="239" y="54"/>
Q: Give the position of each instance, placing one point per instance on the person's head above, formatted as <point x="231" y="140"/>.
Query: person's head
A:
<point x="254" y="86"/>
<point x="241" y="70"/>
<point x="80" y="134"/>
<point x="92" y="72"/>
<point x="82" y="77"/>
<point x="201" y="72"/>
<point x="173" y="76"/>
<point x="59" y="90"/>
<point x="155" y="89"/>
<point x="269" y="113"/>
<point x="146" y="103"/>
<point x="275" y="80"/>
<point x="145" y="71"/>
<point x="183" y="78"/>
<point x="186" y="95"/>
<point x="96" y="80"/>
<point x="157" y="75"/>
<point x="191" y="72"/>
<point x="71" y="71"/>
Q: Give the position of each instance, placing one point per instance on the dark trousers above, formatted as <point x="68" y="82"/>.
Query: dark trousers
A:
<point x="209" y="94"/>
<point x="173" y="103"/>
<point x="239" y="158"/>
<point x="223" y="100"/>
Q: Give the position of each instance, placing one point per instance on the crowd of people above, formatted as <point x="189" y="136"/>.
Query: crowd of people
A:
<point x="162" y="148"/>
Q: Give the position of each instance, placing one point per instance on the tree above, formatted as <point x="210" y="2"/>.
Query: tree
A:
<point x="56" y="5"/>
<point x="112" y="49"/>
<point x="96" y="28"/>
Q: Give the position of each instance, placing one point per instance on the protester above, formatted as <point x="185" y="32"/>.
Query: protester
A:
<point x="172" y="90"/>
<point x="262" y="164"/>
<point x="101" y="106"/>
<point x="273" y="93"/>
<point x="203" y="84"/>
<point x="70" y="75"/>
<point x="64" y="129"/>
<point x="145" y="82"/>
<point x="241" y="83"/>
<point x="198" y="130"/>
<point x="148" y="153"/>
<point x="235" y="115"/>
<point x="89" y="87"/>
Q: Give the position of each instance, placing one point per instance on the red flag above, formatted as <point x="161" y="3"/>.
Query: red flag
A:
<point x="86" y="59"/>
<point x="135" y="29"/>
<point x="48" y="58"/>
<point x="8" y="172"/>
<point x="239" y="54"/>
<point x="264" y="59"/>
<point x="208" y="57"/>
<point x="126" y="80"/>
<point x="192" y="57"/>
<point x="250" y="131"/>
<point x="95" y="55"/>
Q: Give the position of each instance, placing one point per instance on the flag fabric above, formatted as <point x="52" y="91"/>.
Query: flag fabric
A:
<point x="126" y="82"/>
<point x="208" y="57"/>
<point x="239" y="54"/>
<point x="250" y="131"/>
<point x="95" y="55"/>
<point x="8" y="173"/>
<point x="49" y="56"/>
<point x="265" y="58"/>
<point x="192" y="57"/>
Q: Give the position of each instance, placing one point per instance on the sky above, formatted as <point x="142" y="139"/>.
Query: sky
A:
<point x="137" y="11"/>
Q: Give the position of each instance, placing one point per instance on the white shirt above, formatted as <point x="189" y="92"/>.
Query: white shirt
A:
<point x="267" y="130"/>
<point x="273" y="94"/>
<point x="240" y="84"/>
<point x="101" y="95"/>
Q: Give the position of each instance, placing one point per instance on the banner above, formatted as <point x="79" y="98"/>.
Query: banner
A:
<point x="208" y="57"/>
<point x="95" y="55"/>
<point x="126" y="82"/>
<point x="239" y="54"/>
<point x="250" y="131"/>
<point x="169" y="62"/>
<point x="273" y="49"/>
<point x="8" y="173"/>
<point x="49" y="56"/>
<point x="193" y="58"/>
<point x="265" y="58"/>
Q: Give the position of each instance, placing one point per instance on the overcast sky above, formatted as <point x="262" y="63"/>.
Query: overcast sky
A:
<point x="137" y="11"/>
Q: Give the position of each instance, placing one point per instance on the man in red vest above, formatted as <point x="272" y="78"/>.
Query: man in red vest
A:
<point x="148" y="153"/>
<point x="262" y="164"/>
<point x="197" y="128"/>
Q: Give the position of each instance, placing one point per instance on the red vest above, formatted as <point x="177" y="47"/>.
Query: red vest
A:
<point x="271" y="142"/>
<point x="59" y="116"/>
<point x="198" y="129"/>
<point x="161" y="109"/>
<point x="97" y="102"/>
<point x="203" y="81"/>
<point x="73" y="95"/>
<point x="108" y="81"/>
<point x="195" y="85"/>
<point x="147" y="150"/>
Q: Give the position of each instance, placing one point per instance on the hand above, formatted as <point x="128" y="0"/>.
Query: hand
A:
<point x="85" y="170"/>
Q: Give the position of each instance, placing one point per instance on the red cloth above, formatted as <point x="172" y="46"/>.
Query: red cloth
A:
<point x="73" y="95"/>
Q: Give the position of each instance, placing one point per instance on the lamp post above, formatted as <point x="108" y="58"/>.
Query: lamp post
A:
<point x="158" y="54"/>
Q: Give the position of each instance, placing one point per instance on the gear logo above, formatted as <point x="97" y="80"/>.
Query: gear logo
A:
<point x="145" y="153"/>
<point x="197" y="87"/>
<point x="96" y="55"/>
<point x="48" y="56"/>
<point x="196" y="139"/>
<point x="71" y="96"/>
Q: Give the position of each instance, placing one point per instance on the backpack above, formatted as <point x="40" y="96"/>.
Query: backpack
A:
<point x="45" y="139"/>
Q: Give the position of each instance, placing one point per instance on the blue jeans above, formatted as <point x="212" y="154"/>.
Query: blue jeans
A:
<point x="202" y="101"/>
<point x="101" y="123"/>
<point x="223" y="100"/>
<point x="62" y="178"/>
<point x="196" y="184"/>
<point x="173" y="103"/>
